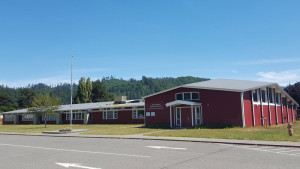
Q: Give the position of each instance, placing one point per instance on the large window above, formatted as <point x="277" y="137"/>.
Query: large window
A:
<point x="138" y="114"/>
<point x="187" y="96"/>
<point x="278" y="98"/>
<point x="76" y="116"/>
<point x="27" y="117"/>
<point x="255" y="96"/>
<point x="271" y="95"/>
<point x="8" y="117"/>
<point x="264" y="96"/>
<point x="51" y="117"/>
<point x="110" y="115"/>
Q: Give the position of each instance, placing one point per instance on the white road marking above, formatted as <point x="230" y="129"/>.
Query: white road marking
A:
<point x="284" y="151"/>
<point x="163" y="147"/>
<point x="77" y="151"/>
<point x="67" y="165"/>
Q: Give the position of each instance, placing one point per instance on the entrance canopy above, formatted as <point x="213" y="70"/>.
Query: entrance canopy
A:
<point x="183" y="102"/>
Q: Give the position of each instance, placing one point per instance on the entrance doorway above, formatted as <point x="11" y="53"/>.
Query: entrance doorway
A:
<point x="178" y="117"/>
<point x="198" y="116"/>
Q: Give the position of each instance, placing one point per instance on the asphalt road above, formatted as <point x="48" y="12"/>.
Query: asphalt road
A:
<point x="37" y="152"/>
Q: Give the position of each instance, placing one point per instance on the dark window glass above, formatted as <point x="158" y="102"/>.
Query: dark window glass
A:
<point x="179" y="96"/>
<point x="263" y="96"/>
<point x="187" y="96"/>
<point x="255" y="98"/>
<point x="271" y="95"/>
<point x="195" y="96"/>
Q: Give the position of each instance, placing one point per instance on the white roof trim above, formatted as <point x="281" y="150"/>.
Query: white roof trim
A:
<point x="179" y="102"/>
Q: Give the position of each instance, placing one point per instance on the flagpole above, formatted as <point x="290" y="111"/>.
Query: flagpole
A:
<point x="71" y="113"/>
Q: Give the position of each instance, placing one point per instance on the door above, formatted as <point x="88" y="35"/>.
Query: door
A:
<point x="198" y="116"/>
<point x="178" y="117"/>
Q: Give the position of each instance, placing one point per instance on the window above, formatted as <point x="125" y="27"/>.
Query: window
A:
<point x="255" y="96"/>
<point x="278" y="98"/>
<point x="8" y="117"/>
<point x="263" y="96"/>
<point x="110" y="115"/>
<point x="27" y="117"/>
<point x="50" y="117"/>
<point x="179" y="96"/>
<point x="271" y="95"/>
<point x="76" y="116"/>
<point x="138" y="114"/>
<point x="195" y="96"/>
<point x="187" y="96"/>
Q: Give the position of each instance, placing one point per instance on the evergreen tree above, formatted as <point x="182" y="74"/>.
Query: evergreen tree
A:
<point x="6" y="103"/>
<point x="89" y="88"/>
<point x="26" y="98"/>
<point x="82" y="94"/>
<point x="99" y="93"/>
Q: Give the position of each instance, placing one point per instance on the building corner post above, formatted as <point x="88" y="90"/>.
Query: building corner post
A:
<point x="242" y="108"/>
<point x="170" y="116"/>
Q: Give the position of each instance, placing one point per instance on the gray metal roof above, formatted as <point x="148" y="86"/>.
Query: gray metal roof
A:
<point x="86" y="106"/>
<point x="228" y="84"/>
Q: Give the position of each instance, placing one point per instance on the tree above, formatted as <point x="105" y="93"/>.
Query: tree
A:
<point x="6" y="103"/>
<point x="89" y="88"/>
<point x="82" y="94"/>
<point x="44" y="105"/>
<point x="26" y="98"/>
<point x="99" y="93"/>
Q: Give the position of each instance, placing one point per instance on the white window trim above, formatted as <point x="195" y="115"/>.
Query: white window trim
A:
<point x="258" y="96"/>
<point x="50" y="117"/>
<point x="8" y="117"/>
<point x="272" y="104"/>
<point x="266" y="96"/>
<point x="27" y="117"/>
<point x="191" y="95"/>
<point x="135" y="114"/>
<point x="278" y="104"/>
<point x="76" y="116"/>
<point x="115" y="115"/>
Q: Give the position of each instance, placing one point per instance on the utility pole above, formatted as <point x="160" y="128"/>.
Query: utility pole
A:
<point x="71" y="113"/>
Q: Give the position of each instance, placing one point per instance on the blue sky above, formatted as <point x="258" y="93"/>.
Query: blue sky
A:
<point x="250" y="40"/>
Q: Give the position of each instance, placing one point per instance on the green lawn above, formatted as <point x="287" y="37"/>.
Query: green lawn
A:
<point x="273" y="133"/>
<point x="101" y="129"/>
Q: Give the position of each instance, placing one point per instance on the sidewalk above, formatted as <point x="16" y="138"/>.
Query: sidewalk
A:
<point x="186" y="139"/>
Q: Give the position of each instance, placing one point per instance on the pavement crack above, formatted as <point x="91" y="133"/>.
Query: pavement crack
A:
<point x="194" y="158"/>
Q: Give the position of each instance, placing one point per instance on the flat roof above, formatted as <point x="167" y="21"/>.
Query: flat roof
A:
<point x="87" y="106"/>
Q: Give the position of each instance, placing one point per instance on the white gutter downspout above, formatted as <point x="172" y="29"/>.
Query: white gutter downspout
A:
<point x="253" y="108"/>
<point x="292" y="111"/>
<point x="242" y="106"/>
<point x="269" y="108"/>
<point x="282" y="118"/>
<point x="171" y="116"/>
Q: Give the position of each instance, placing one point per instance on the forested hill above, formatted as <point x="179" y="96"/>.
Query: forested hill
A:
<point x="10" y="97"/>
<point x="135" y="89"/>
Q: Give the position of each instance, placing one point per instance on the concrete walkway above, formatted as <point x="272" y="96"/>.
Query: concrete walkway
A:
<point x="186" y="139"/>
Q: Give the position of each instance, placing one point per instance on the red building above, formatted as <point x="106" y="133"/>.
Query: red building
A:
<point x="221" y="102"/>
<point x="120" y="111"/>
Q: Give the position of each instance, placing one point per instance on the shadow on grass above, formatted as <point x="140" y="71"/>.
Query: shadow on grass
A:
<point x="215" y="127"/>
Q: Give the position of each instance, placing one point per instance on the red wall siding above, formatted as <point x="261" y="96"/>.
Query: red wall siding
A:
<point x="7" y="122"/>
<point x="124" y="117"/>
<point x="218" y="107"/>
<point x="266" y="113"/>
<point x="273" y="115"/>
<point x="248" y="108"/>
<point x="279" y="114"/>
<point x="257" y="112"/>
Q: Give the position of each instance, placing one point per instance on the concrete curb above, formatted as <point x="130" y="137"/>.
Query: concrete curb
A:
<point x="183" y="139"/>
